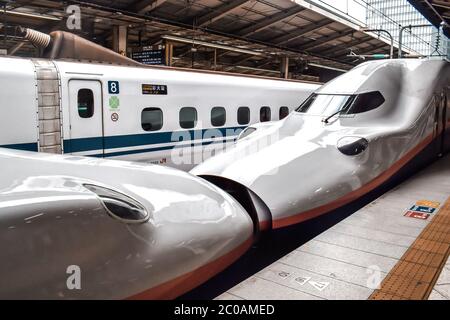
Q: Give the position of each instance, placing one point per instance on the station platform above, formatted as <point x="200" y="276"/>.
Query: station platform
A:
<point x="396" y="247"/>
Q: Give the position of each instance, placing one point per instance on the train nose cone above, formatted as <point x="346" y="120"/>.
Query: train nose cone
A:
<point x="287" y="167"/>
<point x="133" y="230"/>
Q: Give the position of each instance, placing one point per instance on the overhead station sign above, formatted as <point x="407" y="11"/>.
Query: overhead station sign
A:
<point x="149" y="56"/>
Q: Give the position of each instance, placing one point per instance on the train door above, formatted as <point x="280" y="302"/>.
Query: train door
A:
<point x="86" y="117"/>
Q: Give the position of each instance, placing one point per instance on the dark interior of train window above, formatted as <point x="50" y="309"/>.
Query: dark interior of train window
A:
<point x="218" y="116"/>
<point x="188" y="117"/>
<point x="152" y="119"/>
<point x="243" y="115"/>
<point x="284" y="112"/>
<point x="85" y="103"/>
<point x="265" y="114"/>
<point x="366" y="101"/>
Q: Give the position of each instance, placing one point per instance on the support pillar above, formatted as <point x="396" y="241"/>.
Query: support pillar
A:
<point x="169" y="53"/>
<point x="120" y="34"/>
<point x="285" y="68"/>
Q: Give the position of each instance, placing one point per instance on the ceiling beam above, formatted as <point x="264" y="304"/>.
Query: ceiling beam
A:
<point x="238" y="62"/>
<point x="326" y="39"/>
<point x="144" y="6"/>
<point x="270" y="21"/>
<point x="219" y="12"/>
<point x="368" y="49"/>
<point x="347" y="46"/>
<point x="302" y="31"/>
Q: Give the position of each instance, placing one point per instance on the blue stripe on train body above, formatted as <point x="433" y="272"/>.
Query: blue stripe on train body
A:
<point x="136" y="140"/>
<point x="32" y="146"/>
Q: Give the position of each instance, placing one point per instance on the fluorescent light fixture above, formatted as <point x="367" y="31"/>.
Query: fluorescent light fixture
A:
<point x="31" y="15"/>
<point x="257" y="69"/>
<point x="211" y="45"/>
<point x="326" y="67"/>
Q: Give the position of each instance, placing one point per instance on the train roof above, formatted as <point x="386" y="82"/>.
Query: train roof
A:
<point x="157" y="67"/>
<point x="372" y="75"/>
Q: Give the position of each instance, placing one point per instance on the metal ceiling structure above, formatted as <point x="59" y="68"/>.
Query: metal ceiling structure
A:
<point x="245" y="36"/>
<point x="436" y="11"/>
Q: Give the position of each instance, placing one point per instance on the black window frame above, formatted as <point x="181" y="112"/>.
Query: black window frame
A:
<point x="223" y="121"/>
<point x="264" y="113"/>
<point x="248" y="115"/>
<point x="152" y="129"/>
<point x="195" y="122"/>
<point x="280" y="112"/>
<point x="90" y="104"/>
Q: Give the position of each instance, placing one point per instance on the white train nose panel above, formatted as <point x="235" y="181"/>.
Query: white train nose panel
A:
<point x="132" y="230"/>
<point x="314" y="162"/>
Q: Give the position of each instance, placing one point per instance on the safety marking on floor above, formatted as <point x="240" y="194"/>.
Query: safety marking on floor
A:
<point x="417" y="215"/>
<point x="428" y="203"/>
<point x="319" y="285"/>
<point x="415" y="275"/>
<point x="302" y="280"/>
<point x="422" y="209"/>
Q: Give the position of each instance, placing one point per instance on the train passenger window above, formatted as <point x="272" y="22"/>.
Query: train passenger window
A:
<point x="218" y="116"/>
<point x="152" y="119"/>
<point x="85" y="103"/>
<point x="284" y="112"/>
<point x="243" y="115"/>
<point x="188" y="117"/>
<point x="366" y="101"/>
<point x="265" y="114"/>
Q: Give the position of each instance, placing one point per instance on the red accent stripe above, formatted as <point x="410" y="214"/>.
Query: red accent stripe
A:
<point x="264" y="225"/>
<point x="182" y="284"/>
<point x="306" y="215"/>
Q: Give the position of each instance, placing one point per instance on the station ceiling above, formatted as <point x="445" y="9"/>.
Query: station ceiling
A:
<point x="436" y="11"/>
<point x="248" y="36"/>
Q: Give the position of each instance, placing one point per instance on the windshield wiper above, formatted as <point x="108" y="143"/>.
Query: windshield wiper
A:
<point x="329" y="117"/>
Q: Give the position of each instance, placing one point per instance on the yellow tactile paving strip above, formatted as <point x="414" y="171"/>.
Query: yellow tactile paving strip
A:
<point x="414" y="276"/>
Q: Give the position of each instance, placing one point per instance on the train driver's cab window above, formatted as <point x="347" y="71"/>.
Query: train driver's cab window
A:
<point x="265" y="114"/>
<point x="243" y="116"/>
<point x="284" y="112"/>
<point x="85" y="103"/>
<point x="188" y="117"/>
<point x="365" y="102"/>
<point x="329" y="104"/>
<point x="218" y="116"/>
<point x="152" y="119"/>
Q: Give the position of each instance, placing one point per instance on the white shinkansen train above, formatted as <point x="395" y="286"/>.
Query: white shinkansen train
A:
<point x="379" y="121"/>
<point x="132" y="112"/>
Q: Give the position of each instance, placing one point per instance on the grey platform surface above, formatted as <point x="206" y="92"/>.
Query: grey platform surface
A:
<point x="349" y="260"/>
<point x="441" y="290"/>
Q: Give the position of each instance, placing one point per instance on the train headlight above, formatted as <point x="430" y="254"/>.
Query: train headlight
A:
<point x="119" y="206"/>
<point x="248" y="131"/>
<point x="352" y="146"/>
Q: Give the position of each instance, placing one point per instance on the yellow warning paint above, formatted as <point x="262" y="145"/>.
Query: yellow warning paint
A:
<point x="427" y="203"/>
